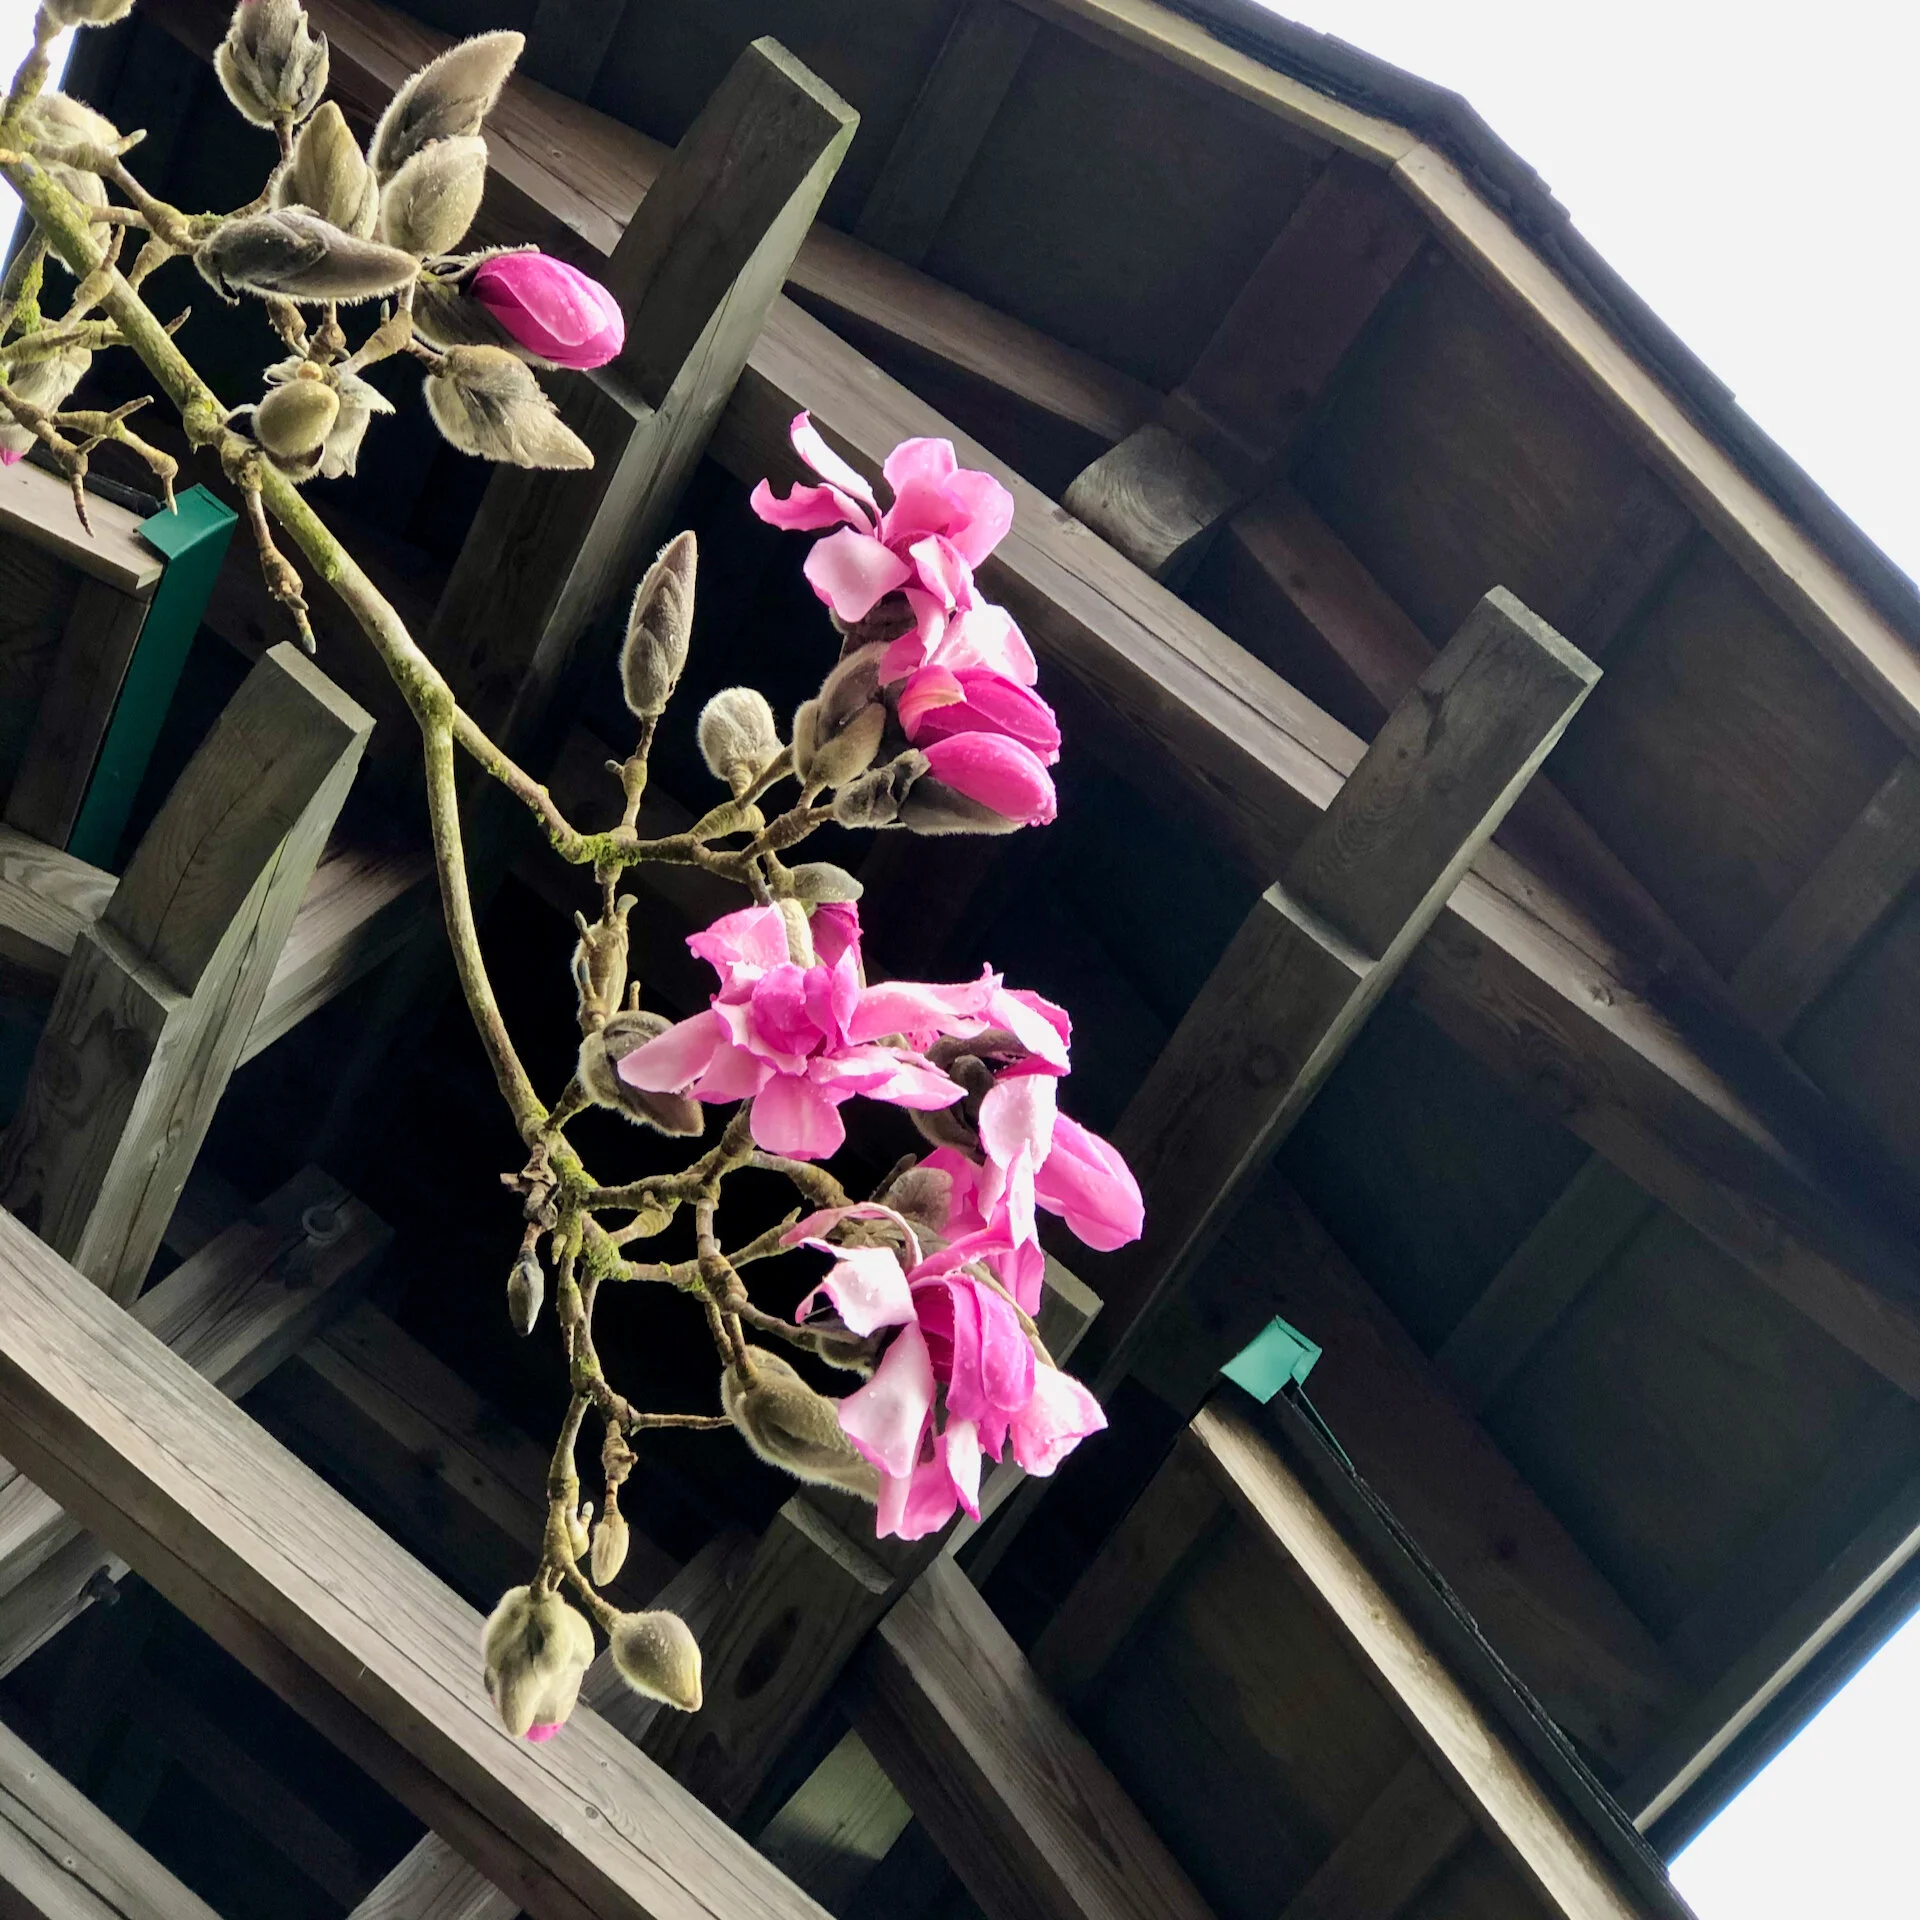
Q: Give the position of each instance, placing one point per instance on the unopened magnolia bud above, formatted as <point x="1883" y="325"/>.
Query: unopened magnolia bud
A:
<point x="933" y="807"/>
<point x="526" y="1288"/>
<point x="328" y="175"/>
<point x="609" y="1548"/>
<point x="272" y="67"/>
<point x="444" y="315"/>
<point x="889" y="617"/>
<point x="820" y="882"/>
<point x="87" y="13"/>
<point x="837" y="733"/>
<point x="488" y="404"/>
<point x="579" y="1537"/>
<point x="738" y="735"/>
<point x="535" y="1650"/>
<point x="874" y="799"/>
<point x="429" y="204"/>
<point x="448" y="98"/>
<point x="794" y="1428"/>
<point x="293" y="421"/>
<point x="598" y="1070"/>
<point x="599" y="963"/>
<point x="61" y="131"/>
<point x="294" y="252"/>
<point x="45" y="384"/>
<point x="656" y="1654"/>
<point x="923" y="1197"/>
<point x="658" y="629"/>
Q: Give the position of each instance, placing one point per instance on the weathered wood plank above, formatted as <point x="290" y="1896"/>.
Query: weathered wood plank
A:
<point x="944" y="128"/>
<point x="1155" y="498"/>
<point x="61" y="1858"/>
<point x="343" y="1624"/>
<point x="1402" y="1840"/>
<point x="1319" y="949"/>
<point x="838" y="1826"/>
<point x="37" y="508"/>
<point x="159" y="996"/>
<point x="1472" y="1755"/>
<point x="1016" y="1799"/>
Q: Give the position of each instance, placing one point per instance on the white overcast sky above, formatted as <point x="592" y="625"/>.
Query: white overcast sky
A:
<point x="1750" y="169"/>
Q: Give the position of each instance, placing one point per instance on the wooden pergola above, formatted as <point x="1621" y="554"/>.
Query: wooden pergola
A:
<point x="1565" y="1110"/>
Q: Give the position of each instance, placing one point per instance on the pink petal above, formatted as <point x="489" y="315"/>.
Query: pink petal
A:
<point x="985" y="512"/>
<point x="985" y="636"/>
<point x="920" y="463"/>
<point x="805" y="509"/>
<point x="868" y="1289"/>
<point x="551" y="309"/>
<point x="735" y="1074"/>
<point x="852" y="572"/>
<point x="1017" y="1116"/>
<point x="899" y="1079"/>
<point x="982" y="702"/>
<point x="911" y="1006"/>
<point x="942" y="574"/>
<point x="1041" y="1027"/>
<point x="674" y="1059"/>
<point x="11" y="456"/>
<point x="836" y="930"/>
<point x="922" y="1504"/>
<point x="542" y="1730"/>
<point x="1059" y="1416"/>
<point x="962" y="1440"/>
<point x="794" y="1118"/>
<point x="813" y="1230"/>
<point x="811" y="448"/>
<point x="887" y="1418"/>
<point x="998" y="772"/>
<point x="926" y="689"/>
<point x="1085" y="1180"/>
<point x="753" y="937"/>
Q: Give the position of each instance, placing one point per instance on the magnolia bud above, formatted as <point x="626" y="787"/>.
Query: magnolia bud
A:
<point x="447" y="99"/>
<point x="656" y="1654"/>
<point x="934" y="807"/>
<point x="874" y="799"/>
<point x="272" y="67"/>
<point x="294" y="420"/>
<point x="599" y="964"/>
<point x="598" y="1071"/>
<point x="535" y="1649"/>
<point x="889" y="617"/>
<point x="328" y="175"/>
<point x="294" y="252"/>
<point x="60" y="131"/>
<point x="429" y="204"/>
<point x="820" y="882"/>
<point x="578" y="1536"/>
<point x="738" y="736"/>
<point x="87" y="13"/>
<point x="794" y="1428"/>
<point x="488" y="404"/>
<point x="44" y="384"/>
<point x="837" y="733"/>
<point x="658" y="629"/>
<point x="526" y="1288"/>
<point x="923" y="1197"/>
<point x="609" y="1547"/>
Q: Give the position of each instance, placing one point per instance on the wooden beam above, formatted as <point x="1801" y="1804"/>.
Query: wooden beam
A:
<point x="1471" y="1753"/>
<point x="944" y="128"/>
<point x="1402" y="1840"/>
<point x="840" y="1824"/>
<point x="338" y="1620"/>
<point x="37" y="509"/>
<point x="233" y="1312"/>
<point x="61" y="1858"/>
<point x="1013" y="1794"/>
<point x="1163" y="492"/>
<point x="1318" y="950"/>
<point x="159" y="995"/>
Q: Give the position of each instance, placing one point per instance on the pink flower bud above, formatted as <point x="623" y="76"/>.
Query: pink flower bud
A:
<point x="552" y="310"/>
<point x="998" y="772"/>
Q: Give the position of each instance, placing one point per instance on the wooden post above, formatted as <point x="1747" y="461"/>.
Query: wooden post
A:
<point x="1320" y="948"/>
<point x="160" y="994"/>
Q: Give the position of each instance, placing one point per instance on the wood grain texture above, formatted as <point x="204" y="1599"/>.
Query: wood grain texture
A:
<point x="1472" y="1755"/>
<point x="1155" y="499"/>
<point x="99" y="640"/>
<point x="1401" y="1842"/>
<point x="339" y="1621"/>
<point x="1013" y="1794"/>
<point x="36" y="509"/>
<point x="838" y="1826"/>
<point x="160" y="994"/>
<point x="61" y="1858"/>
<point x="234" y="1311"/>
<point x="944" y="129"/>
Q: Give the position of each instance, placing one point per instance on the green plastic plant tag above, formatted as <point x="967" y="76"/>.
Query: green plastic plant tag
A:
<point x="1277" y="1356"/>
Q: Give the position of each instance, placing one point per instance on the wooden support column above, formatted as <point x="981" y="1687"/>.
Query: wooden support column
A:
<point x="160" y="994"/>
<point x="346" y="1626"/>
<point x="1318" y="949"/>
<point x="1010" y="1790"/>
<point x="233" y="1312"/>
<point x="1160" y="495"/>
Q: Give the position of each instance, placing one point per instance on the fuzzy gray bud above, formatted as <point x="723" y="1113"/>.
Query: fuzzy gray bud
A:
<point x="837" y="733"/>
<point x="296" y="253"/>
<point x="328" y="175"/>
<point x="794" y="1428"/>
<point x="819" y="882"/>
<point x="62" y="132"/>
<point x="429" y="204"/>
<point x="659" y="629"/>
<point x="656" y="1654"/>
<point x="535" y="1649"/>
<point x="923" y="1197"/>
<point x="295" y="419"/>
<point x="930" y="807"/>
<point x="874" y="799"/>
<point x="609" y="1551"/>
<point x="444" y="317"/>
<point x="598" y="1072"/>
<point x="448" y="98"/>
<point x="488" y="404"/>
<point x="526" y="1288"/>
<point x="738" y="736"/>
<point x="87" y="13"/>
<point x="273" y="68"/>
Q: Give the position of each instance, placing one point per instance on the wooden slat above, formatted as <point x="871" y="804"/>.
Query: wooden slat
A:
<point x="46" y="898"/>
<point x="1472" y="1755"/>
<point x="1402" y="1840"/>
<point x="1016" y="1799"/>
<point x="838" y="1826"/>
<point x="233" y="1312"/>
<point x="61" y="1858"/>
<point x="160" y="994"/>
<point x="101" y="633"/>
<point x="1318" y="950"/>
<point x="337" y="1619"/>
<point x="944" y="128"/>
<point x="37" y="508"/>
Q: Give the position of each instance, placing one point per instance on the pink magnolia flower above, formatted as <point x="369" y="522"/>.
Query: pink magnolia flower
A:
<point x="960" y="1379"/>
<point x="997" y="772"/>
<point x="1036" y="1156"/>
<point x="554" y="311"/>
